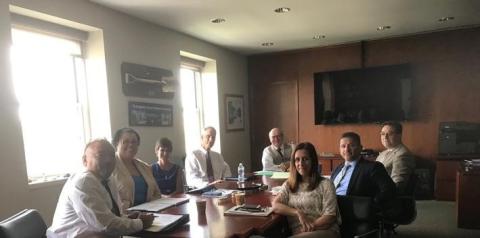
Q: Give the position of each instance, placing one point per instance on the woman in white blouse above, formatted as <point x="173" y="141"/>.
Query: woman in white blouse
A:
<point x="306" y="198"/>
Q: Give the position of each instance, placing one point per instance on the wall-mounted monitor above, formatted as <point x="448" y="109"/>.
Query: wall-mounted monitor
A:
<point x="366" y="95"/>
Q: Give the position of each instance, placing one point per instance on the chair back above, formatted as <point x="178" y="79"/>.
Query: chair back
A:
<point x="404" y="208"/>
<point x="25" y="224"/>
<point x="358" y="215"/>
<point x="411" y="186"/>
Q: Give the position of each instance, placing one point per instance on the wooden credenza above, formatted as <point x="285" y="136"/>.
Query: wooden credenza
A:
<point x="329" y="163"/>
<point x="467" y="195"/>
<point x="446" y="174"/>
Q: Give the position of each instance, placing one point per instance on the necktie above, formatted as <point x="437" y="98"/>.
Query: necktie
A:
<point x="115" y="209"/>
<point x="209" y="168"/>
<point x="280" y="152"/>
<point x="342" y="174"/>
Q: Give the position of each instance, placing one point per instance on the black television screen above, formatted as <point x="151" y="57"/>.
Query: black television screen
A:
<point x="366" y="95"/>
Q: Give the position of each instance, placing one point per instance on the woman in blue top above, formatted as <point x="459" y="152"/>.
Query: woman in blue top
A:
<point x="168" y="175"/>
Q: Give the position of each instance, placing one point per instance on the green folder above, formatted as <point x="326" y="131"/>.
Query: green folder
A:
<point x="280" y="175"/>
<point x="265" y="173"/>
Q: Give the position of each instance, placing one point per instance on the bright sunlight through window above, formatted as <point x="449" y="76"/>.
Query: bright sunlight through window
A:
<point x="49" y="79"/>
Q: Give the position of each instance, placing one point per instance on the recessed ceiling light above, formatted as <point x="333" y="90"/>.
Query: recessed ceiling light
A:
<point x="267" y="44"/>
<point x="217" y="20"/>
<point x="318" y="37"/>
<point x="382" y="28"/>
<point x="282" y="10"/>
<point x="444" y="19"/>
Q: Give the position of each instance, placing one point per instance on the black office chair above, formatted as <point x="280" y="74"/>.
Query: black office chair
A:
<point x="405" y="208"/>
<point x="359" y="217"/>
<point x="25" y="224"/>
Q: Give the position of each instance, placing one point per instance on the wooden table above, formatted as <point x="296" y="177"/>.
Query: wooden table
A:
<point x="215" y="224"/>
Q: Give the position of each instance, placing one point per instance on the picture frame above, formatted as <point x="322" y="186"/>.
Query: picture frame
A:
<point x="235" y="113"/>
<point x="150" y="114"/>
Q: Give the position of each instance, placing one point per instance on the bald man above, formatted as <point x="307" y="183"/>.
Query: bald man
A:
<point x="203" y="166"/>
<point x="276" y="156"/>
<point x="88" y="204"/>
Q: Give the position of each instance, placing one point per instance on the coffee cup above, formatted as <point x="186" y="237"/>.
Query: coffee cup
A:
<point x="239" y="199"/>
<point x="201" y="206"/>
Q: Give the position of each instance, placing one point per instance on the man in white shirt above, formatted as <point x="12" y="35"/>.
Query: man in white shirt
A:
<point x="88" y="204"/>
<point x="203" y="166"/>
<point x="276" y="156"/>
<point x="397" y="159"/>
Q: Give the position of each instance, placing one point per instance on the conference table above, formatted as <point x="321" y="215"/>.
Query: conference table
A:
<point x="215" y="224"/>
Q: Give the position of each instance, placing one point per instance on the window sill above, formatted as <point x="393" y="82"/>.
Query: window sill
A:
<point x="44" y="184"/>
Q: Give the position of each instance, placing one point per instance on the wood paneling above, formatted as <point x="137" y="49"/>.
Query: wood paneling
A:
<point x="445" y="87"/>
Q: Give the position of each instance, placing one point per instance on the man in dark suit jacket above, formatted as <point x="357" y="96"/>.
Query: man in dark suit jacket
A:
<point x="360" y="177"/>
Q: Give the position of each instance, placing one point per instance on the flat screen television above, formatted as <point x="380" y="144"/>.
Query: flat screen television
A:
<point x="366" y="95"/>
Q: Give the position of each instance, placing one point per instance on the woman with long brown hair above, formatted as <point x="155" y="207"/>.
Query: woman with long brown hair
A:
<point x="306" y="198"/>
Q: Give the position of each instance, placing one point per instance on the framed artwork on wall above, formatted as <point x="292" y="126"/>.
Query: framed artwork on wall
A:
<point x="235" y="114"/>
<point x="150" y="114"/>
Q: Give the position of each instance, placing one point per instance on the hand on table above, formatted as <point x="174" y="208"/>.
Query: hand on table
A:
<point x="147" y="219"/>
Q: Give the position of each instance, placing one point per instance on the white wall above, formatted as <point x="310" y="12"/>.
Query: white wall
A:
<point x="126" y="39"/>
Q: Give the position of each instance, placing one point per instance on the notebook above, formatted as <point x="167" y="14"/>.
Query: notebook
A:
<point x="246" y="210"/>
<point x="158" y="204"/>
<point x="164" y="222"/>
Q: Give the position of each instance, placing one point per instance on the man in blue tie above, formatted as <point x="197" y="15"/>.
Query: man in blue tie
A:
<point x="360" y="177"/>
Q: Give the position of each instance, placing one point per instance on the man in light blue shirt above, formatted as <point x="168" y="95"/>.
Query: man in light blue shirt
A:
<point x="360" y="177"/>
<point x="341" y="181"/>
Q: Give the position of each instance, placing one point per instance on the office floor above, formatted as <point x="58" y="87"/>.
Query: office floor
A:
<point x="435" y="219"/>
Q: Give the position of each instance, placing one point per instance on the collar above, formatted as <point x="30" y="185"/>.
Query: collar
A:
<point x="351" y="163"/>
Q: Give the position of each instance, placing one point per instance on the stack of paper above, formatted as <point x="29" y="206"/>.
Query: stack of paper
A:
<point x="164" y="222"/>
<point x="158" y="205"/>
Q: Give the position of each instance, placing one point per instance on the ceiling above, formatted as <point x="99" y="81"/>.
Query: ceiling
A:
<point x="249" y="23"/>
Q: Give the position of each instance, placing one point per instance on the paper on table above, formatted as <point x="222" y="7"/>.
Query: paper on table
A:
<point x="266" y="173"/>
<point x="276" y="190"/>
<point x="218" y="193"/>
<point x="158" y="205"/>
<point x="280" y="175"/>
<point x="163" y="220"/>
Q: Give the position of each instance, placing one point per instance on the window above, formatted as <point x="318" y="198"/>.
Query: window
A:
<point x="49" y="79"/>
<point x="199" y="100"/>
<point x="192" y="107"/>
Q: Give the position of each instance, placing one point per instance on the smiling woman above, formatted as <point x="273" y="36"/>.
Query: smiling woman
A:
<point x="307" y="199"/>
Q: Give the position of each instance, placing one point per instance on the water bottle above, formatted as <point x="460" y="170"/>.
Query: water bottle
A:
<point x="241" y="173"/>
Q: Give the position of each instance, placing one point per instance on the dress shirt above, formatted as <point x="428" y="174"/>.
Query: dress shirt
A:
<point x="126" y="185"/>
<point x="345" y="180"/>
<point x="400" y="165"/>
<point x="196" y="167"/>
<point x="271" y="159"/>
<point x="84" y="208"/>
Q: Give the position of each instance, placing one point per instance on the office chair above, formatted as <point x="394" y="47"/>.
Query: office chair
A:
<point x="359" y="218"/>
<point x="25" y="224"/>
<point x="406" y="207"/>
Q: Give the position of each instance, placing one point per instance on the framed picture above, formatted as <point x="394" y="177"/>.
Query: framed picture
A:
<point x="235" y="114"/>
<point x="149" y="114"/>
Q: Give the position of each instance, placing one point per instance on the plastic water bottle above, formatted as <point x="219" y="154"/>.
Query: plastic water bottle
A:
<point x="241" y="173"/>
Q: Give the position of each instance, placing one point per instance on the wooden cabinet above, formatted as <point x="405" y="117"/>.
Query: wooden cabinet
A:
<point x="467" y="195"/>
<point x="445" y="179"/>
<point x="446" y="175"/>
<point x="329" y="164"/>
